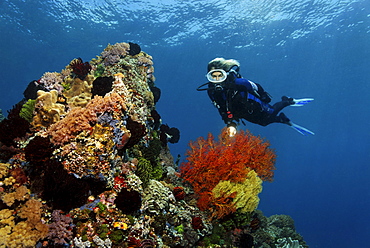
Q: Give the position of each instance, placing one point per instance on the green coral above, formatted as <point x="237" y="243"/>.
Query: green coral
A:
<point x="103" y="231"/>
<point x="236" y="220"/>
<point x="144" y="169"/>
<point x="27" y="110"/>
<point x="101" y="206"/>
<point x="66" y="86"/>
<point x="157" y="172"/>
<point x="180" y="229"/>
<point x="116" y="236"/>
<point x="99" y="70"/>
<point x="151" y="153"/>
<point x="218" y="237"/>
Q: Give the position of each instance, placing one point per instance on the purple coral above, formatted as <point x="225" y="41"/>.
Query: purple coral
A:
<point x="112" y="54"/>
<point x="52" y="81"/>
<point x="61" y="228"/>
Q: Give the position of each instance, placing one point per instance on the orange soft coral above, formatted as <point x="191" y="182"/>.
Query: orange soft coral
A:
<point x="81" y="119"/>
<point x="228" y="159"/>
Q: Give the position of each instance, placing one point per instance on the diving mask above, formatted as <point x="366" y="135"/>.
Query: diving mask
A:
<point x="216" y="76"/>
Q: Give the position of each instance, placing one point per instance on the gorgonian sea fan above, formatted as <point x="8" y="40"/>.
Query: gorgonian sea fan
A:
<point x="210" y="161"/>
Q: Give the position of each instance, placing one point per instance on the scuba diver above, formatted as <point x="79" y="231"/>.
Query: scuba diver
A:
<point x="237" y="98"/>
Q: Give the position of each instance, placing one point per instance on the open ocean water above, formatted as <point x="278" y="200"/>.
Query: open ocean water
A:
<point x="300" y="48"/>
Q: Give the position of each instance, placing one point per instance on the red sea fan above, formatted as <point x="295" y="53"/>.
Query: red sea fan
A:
<point x="228" y="159"/>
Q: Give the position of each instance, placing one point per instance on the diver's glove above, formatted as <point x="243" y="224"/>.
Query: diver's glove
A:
<point x="231" y="129"/>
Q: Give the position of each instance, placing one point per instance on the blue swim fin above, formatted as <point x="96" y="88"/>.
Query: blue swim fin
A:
<point x="301" y="102"/>
<point x="301" y="130"/>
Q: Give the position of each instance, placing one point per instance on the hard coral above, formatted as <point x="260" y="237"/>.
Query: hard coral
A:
<point x="51" y="81"/>
<point x="60" y="230"/>
<point x="230" y="159"/>
<point x="47" y="108"/>
<point x="79" y="92"/>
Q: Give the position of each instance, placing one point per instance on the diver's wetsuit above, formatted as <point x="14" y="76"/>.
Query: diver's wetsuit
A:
<point x="243" y="99"/>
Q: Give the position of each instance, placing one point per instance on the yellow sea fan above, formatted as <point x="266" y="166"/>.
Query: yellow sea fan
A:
<point x="245" y="194"/>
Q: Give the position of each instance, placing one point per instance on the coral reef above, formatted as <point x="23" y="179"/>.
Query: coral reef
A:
<point x="113" y="53"/>
<point x="13" y="127"/>
<point x="20" y="218"/>
<point x="85" y="162"/>
<point x="276" y="231"/>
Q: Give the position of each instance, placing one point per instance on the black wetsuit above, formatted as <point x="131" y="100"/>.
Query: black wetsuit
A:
<point x="240" y="98"/>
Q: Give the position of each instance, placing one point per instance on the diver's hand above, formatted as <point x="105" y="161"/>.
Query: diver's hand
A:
<point x="231" y="129"/>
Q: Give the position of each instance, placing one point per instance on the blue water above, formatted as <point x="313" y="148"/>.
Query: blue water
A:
<point x="316" y="48"/>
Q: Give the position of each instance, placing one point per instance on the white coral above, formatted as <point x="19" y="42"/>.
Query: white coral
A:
<point x="288" y="243"/>
<point x="80" y="244"/>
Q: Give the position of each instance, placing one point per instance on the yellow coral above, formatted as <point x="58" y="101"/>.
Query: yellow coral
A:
<point x="9" y="181"/>
<point x="245" y="193"/>
<point x="80" y="92"/>
<point x="6" y="217"/>
<point x="31" y="210"/>
<point x="20" y="194"/>
<point x="6" y="223"/>
<point x="4" y="235"/>
<point x="25" y="233"/>
<point x="3" y="169"/>
<point x="47" y="110"/>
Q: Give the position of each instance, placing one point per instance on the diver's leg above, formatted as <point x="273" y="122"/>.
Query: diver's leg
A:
<point x="285" y="101"/>
<point x="281" y="118"/>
